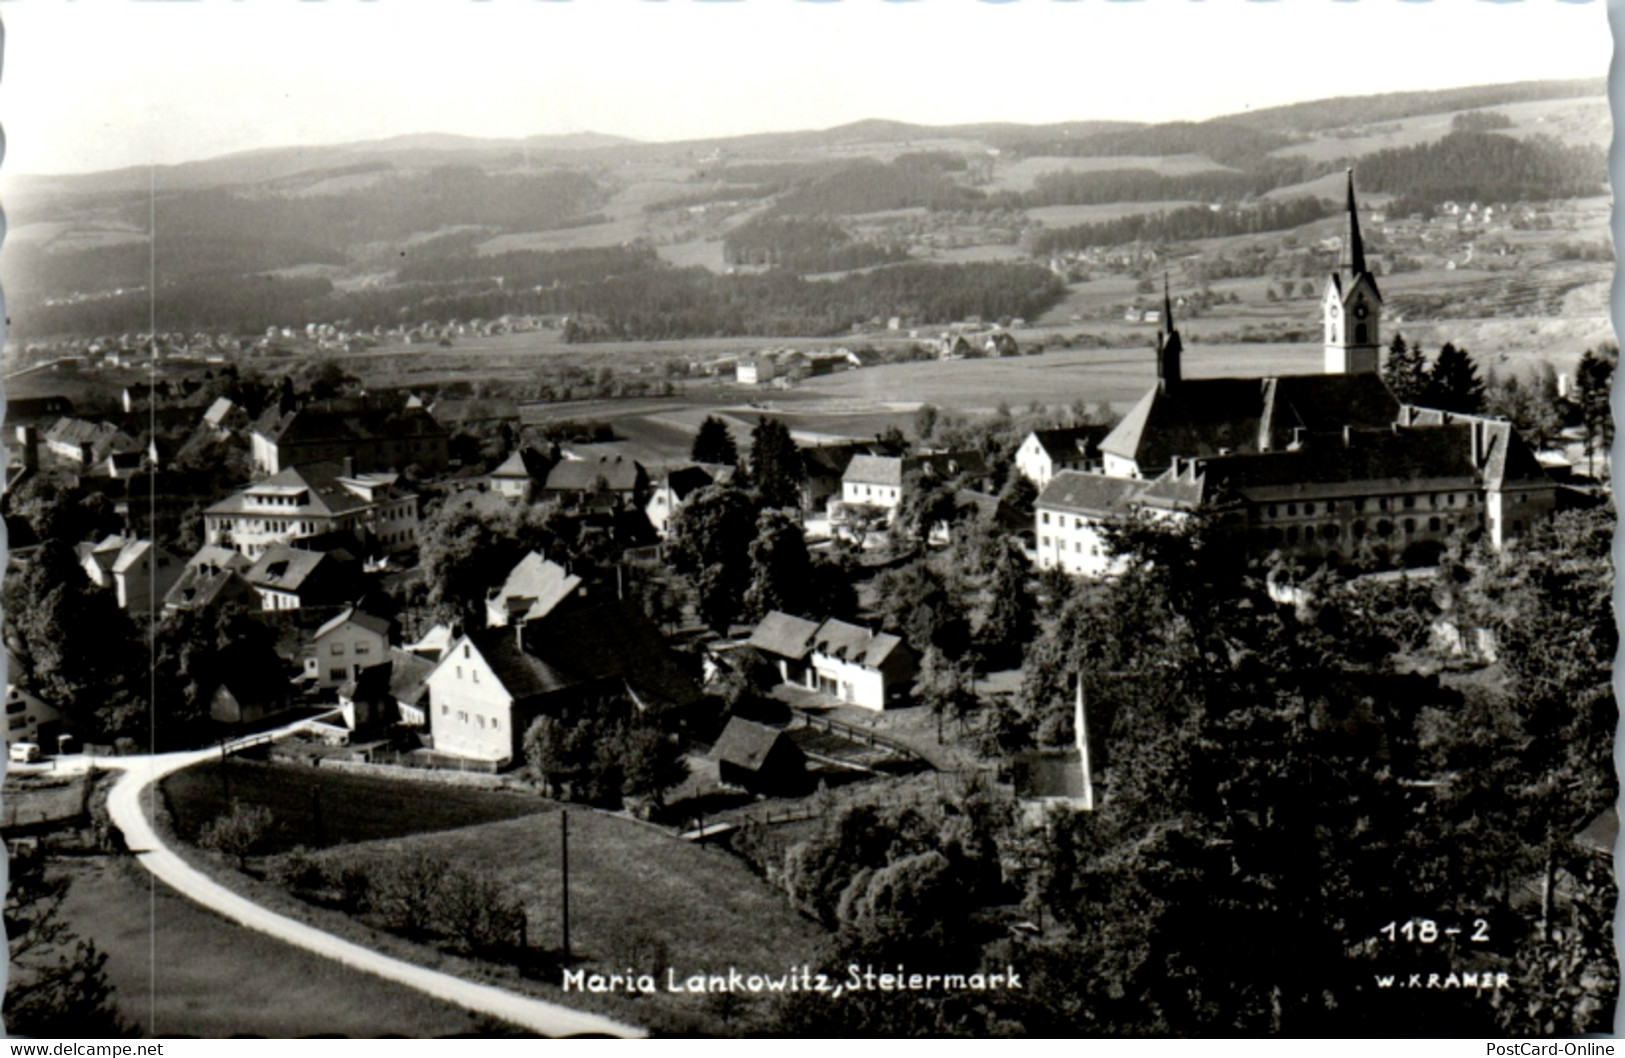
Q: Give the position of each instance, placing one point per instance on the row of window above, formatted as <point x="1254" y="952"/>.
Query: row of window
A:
<point x="463" y="717"/>
<point x="1292" y="534"/>
<point x="1383" y="503"/>
<point x="361" y="647"/>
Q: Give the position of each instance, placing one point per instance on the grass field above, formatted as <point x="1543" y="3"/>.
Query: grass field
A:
<point x="1065" y="216"/>
<point x="179" y="970"/>
<point x="317" y="808"/>
<point x="632" y="888"/>
<point x="1019" y="176"/>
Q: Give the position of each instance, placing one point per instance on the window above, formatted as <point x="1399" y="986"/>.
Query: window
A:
<point x="1359" y="505"/>
<point x="338" y="675"/>
<point x="1046" y="517"/>
<point x="362" y="648"/>
<point x="1471" y="499"/>
<point x="1046" y="541"/>
<point x="1077" y="523"/>
<point x="1409" y="502"/>
<point x="1292" y="535"/>
<point x="1078" y="547"/>
<point x="459" y="672"/>
<point x="445" y="710"/>
<point x="1450" y="500"/>
<point x="337" y="650"/>
<point x="1273" y="510"/>
<point x="465" y="652"/>
<point x="1331" y="532"/>
<point x="1308" y="508"/>
<point x="1291" y="510"/>
<point x="1357" y="529"/>
<point x="1433" y="525"/>
<point x="1410" y="525"/>
<point x="496" y="723"/>
<point x="1382" y="504"/>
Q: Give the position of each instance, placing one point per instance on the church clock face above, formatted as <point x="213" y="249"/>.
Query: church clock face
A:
<point x="1361" y="312"/>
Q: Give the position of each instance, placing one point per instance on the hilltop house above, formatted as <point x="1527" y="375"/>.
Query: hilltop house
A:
<point x="601" y="479"/>
<point x="854" y="664"/>
<point x="673" y="490"/>
<point x="212" y="577"/>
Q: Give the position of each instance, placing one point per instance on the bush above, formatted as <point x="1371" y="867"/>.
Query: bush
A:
<point x="239" y="832"/>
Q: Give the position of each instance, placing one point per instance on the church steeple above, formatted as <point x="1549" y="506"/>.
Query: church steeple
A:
<point x="1356" y="244"/>
<point x="1353" y="309"/>
<point x="1168" y="345"/>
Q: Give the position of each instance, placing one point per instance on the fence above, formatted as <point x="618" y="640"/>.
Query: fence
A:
<point x="865" y="735"/>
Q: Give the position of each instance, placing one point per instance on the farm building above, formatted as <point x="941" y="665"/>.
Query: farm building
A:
<point x="534" y="588"/>
<point x="1046" y="453"/>
<point x="759" y="758"/>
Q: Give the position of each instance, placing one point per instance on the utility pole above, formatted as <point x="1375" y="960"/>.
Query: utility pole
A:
<point x="564" y="882"/>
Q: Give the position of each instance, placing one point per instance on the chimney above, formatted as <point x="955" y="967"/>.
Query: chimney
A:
<point x="1348" y="436"/>
<point x="1298" y="433"/>
<point x="348" y="467"/>
<point x="1475" y="431"/>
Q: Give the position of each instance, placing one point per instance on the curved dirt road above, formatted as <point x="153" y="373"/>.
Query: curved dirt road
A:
<point x="124" y="806"/>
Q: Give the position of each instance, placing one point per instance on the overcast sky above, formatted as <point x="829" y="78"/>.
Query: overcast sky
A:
<point x="97" y="84"/>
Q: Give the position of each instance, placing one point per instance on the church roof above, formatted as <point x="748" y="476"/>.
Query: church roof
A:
<point x="1204" y="416"/>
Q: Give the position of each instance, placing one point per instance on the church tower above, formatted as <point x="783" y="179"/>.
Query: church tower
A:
<point x="1168" y="346"/>
<point x="1353" y="309"/>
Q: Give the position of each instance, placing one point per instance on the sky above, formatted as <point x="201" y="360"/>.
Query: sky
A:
<point x="99" y="84"/>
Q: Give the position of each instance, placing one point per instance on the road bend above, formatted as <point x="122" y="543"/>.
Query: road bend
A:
<point x="124" y="806"/>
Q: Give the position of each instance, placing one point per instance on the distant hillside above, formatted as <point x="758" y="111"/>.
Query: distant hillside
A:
<point x="1340" y="111"/>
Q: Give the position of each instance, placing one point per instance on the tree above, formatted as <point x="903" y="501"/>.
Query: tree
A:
<point x="1453" y="382"/>
<point x="776" y="467"/>
<point x="58" y="983"/>
<point x="1010" y="619"/>
<point x="239" y="832"/>
<point x="653" y="763"/>
<point x="714" y="443"/>
<point x="919" y="604"/>
<point x="1405" y="370"/>
<point x="780" y="568"/>
<point x="1530" y="404"/>
<point x="710" y="541"/>
<point x="78" y="651"/>
<point x="1593" y="390"/>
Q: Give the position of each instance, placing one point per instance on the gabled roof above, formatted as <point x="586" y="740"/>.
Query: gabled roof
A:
<point x="1071" y="442"/>
<point x="524" y="463"/>
<point x="874" y="470"/>
<point x="200" y="587"/>
<point x="345" y="421"/>
<point x="747" y="744"/>
<point x="543" y="582"/>
<point x="213" y="556"/>
<point x="685" y="481"/>
<point x="219" y="411"/>
<point x="521" y="674"/>
<point x="1205" y="416"/>
<point x="371" y="622"/>
<point x="581" y="475"/>
<point x="284" y="568"/>
<point x="408" y="676"/>
<point x="323" y="485"/>
<point x="1077" y="492"/>
<point x="784" y="635"/>
<point x="854" y="644"/>
<point x="132" y="553"/>
<point x="613" y="641"/>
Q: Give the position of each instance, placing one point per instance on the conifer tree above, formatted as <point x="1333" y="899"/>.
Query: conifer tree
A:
<point x="1405" y="370"/>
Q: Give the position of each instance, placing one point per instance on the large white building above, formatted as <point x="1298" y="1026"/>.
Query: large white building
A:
<point x="312" y="500"/>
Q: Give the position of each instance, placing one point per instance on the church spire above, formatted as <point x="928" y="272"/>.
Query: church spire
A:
<point x="1168" y="345"/>
<point x="1356" y="245"/>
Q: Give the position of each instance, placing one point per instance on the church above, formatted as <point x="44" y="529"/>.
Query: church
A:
<point x="1308" y="465"/>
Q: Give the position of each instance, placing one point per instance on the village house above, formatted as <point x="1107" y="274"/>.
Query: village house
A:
<point x="143" y="573"/>
<point x="755" y="371"/>
<point x="409" y="686"/>
<point x="28" y="719"/>
<point x="255" y="686"/>
<point x="315" y="500"/>
<point x="373" y="439"/>
<point x="673" y="490"/>
<point x="522" y="475"/>
<point x="212" y="577"/>
<point x="223" y="416"/>
<point x="853" y="664"/>
<point x="350" y="642"/>
<point x="600" y="479"/>
<point x="1046" y="453"/>
<point x="882" y="481"/>
<point x="493" y="683"/>
<point x="289" y="578"/>
<point x="88" y="444"/>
